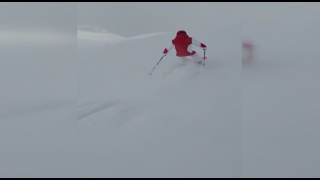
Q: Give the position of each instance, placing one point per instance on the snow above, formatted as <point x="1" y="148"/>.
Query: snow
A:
<point x="280" y="103"/>
<point x="132" y="124"/>
<point x="100" y="114"/>
<point x="92" y="36"/>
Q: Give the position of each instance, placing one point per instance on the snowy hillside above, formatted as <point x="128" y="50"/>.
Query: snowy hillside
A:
<point x="225" y="120"/>
<point x="182" y="121"/>
<point x="280" y="102"/>
<point x="92" y="36"/>
<point x="96" y="112"/>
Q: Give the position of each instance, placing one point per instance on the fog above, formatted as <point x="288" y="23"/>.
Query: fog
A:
<point x="135" y="18"/>
<point x="94" y="111"/>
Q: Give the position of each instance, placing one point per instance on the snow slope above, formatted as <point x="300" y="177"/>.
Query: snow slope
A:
<point x="183" y="123"/>
<point x="229" y="120"/>
<point x="38" y="106"/>
<point x="95" y="112"/>
<point x="280" y="102"/>
<point x="92" y="36"/>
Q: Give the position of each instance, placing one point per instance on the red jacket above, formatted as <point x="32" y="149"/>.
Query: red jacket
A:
<point x="183" y="45"/>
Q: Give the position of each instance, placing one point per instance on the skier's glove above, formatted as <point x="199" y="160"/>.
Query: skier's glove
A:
<point x="203" y="46"/>
<point x="165" y="51"/>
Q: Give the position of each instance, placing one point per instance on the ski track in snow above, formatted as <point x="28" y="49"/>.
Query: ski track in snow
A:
<point x="89" y="108"/>
<point x="93" y="107"/>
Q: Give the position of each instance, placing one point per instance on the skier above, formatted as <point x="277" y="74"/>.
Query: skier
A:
<point x="183" y="46"/>
<point x="248" y="47"/>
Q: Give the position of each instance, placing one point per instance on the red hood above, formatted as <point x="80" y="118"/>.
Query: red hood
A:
<point x="182" y="36"/>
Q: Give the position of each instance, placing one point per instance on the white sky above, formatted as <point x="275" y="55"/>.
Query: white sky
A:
<point x="134" y="18"/>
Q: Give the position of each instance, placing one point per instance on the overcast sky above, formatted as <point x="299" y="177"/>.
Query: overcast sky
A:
<point x="135" y="18"/>
<point x="56" y="16"/>
<point x="27" y="24"/>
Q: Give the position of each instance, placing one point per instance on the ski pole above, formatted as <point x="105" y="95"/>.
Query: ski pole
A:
<point x="156" y="64"/>
<point x="204" y="56"/>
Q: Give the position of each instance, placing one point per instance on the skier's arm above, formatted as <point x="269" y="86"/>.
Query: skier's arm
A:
<point x="168" y="48"/>
<point x="199" y="44"/>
